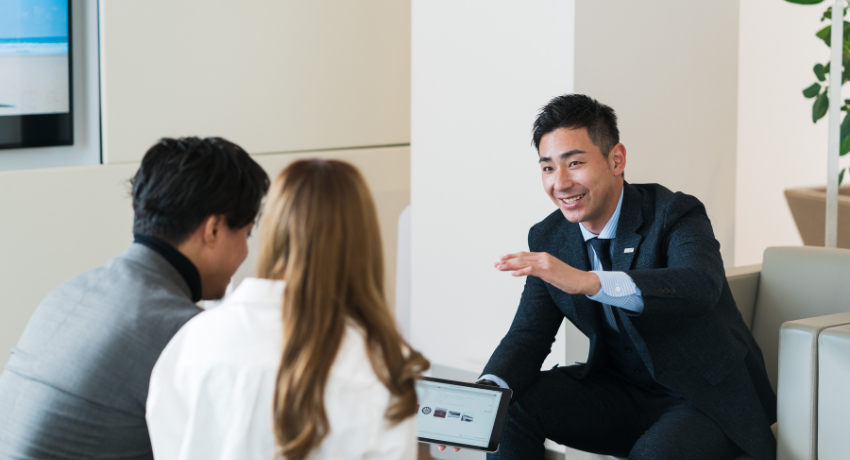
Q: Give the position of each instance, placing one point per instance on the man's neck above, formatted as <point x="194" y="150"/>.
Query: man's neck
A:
<point x="184" y="265"/>
<point x="598" y="224"/>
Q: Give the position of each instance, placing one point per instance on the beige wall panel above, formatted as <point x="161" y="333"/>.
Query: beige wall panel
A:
<point x="58" y="223"/>
<point x="271" y="75"/>
<point x="669" y="69"/>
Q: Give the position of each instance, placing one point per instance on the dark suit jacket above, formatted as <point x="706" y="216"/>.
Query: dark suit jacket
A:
<point x="690" y="333"/>
<point x="76" y="384"/>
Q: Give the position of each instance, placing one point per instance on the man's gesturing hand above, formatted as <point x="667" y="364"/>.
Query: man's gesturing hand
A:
<point x="551" y="270"/>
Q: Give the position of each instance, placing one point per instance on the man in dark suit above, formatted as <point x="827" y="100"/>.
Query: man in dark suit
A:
<point x="76" y="384"/>
<point x="673" y="371"/>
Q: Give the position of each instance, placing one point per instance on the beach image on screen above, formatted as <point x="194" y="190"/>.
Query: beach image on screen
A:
<point x="34" y="57"/>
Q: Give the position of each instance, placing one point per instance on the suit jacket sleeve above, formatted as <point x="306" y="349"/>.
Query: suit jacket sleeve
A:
<point x="691" y="282"/>
<point x="520" y="354"/>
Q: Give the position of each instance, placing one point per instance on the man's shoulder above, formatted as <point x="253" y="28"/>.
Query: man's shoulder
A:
<point x="552" y="222"/>
<point x="540" y="232"/>
<point x="113" y="322"/>
<point x="118" y="299"/>
<point x="124" y="284"/>
<point x="658" y="200"/>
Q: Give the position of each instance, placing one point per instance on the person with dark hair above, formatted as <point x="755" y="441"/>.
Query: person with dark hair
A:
<point x="76" y="384"/>
<point x="673" y="371"/>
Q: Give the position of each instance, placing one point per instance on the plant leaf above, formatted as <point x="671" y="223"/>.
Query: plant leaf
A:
<point x="812" y="91"/>
<point x="825" y="34"/>
<point x="828" y="14"/>
<point x="804" y="2"/>
<point x="845" y="128"/>
<point x="845" y="146"/>
<point x="841" y="176"/>
<point x="820" y="107"/>
<point x="819" y="72"/>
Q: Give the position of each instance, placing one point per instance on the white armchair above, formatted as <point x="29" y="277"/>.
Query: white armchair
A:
<point x="810" y="405"/>
<point x="799" y="285"/>
<point x="833" y="398"/>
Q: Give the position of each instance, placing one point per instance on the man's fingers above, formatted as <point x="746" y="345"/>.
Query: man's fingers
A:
<point x="520" y="262"/>
<point x="513" y="264"/>
<point x="512" y="256"/>
<point x="523" y="272"/>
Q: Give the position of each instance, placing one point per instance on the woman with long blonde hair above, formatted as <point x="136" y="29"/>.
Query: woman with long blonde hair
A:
<point x="305" y="361"/>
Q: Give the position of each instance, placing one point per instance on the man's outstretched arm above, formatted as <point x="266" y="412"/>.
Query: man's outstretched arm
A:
<point x="520" y="354"/>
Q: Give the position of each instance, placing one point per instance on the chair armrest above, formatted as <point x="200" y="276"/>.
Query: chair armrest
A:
<point x="797" y="386"/>
<point x="744" y="284"/>
<point x="834" y="392"/>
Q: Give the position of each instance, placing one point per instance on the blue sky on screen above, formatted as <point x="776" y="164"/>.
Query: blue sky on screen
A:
<point x="33" y="18"/>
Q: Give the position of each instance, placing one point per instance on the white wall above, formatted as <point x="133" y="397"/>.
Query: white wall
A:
<point x="86" y="98"/>
<point x="480" y="72"/>
<point x="272" y="76"/>
<point x="670" y="70"/>
<point x="778" y="146"/>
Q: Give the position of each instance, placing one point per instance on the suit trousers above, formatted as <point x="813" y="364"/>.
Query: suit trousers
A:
<point x="606" y="414"/>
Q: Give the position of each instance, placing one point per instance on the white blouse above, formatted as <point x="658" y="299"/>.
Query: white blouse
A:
<point x="212" y="389"/>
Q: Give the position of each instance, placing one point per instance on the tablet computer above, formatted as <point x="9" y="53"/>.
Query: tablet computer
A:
<point x="461" y="414"/>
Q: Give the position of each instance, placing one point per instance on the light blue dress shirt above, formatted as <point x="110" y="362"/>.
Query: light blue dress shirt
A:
<point x="618" y="289"/>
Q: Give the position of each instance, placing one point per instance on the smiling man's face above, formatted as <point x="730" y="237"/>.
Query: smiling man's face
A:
<point x="580" y="180"/>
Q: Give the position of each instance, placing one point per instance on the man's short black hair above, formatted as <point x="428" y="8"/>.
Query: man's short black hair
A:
<point x="183" y="181"/>
<point x="574" y="111"/>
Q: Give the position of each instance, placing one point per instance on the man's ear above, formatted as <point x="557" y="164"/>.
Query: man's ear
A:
<point x="617" y="159"/>
<point x="212" y="229"/>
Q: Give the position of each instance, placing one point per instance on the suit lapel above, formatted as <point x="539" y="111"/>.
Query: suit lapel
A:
<point x="626" y="246"/>
<point x="627" y="240"/>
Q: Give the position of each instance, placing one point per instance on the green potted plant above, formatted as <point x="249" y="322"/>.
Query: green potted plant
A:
<point x="808" y="204"/>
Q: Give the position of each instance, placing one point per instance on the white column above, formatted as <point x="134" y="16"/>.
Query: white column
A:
<point x="480" y="73"/>
<point x="835" y="103"/>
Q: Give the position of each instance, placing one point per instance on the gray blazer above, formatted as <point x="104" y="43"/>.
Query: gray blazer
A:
<point x="76" y="384"/>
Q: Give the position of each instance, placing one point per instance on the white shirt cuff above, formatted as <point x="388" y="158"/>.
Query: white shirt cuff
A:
<point x="618" y="290"/>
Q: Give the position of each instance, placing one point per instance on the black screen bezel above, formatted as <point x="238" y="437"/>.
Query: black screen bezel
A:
<point x="44" y="129"/>
<point x="498" y="425"/>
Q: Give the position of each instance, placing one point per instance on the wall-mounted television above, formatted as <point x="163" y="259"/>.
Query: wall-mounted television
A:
<point x="35" y="74"/>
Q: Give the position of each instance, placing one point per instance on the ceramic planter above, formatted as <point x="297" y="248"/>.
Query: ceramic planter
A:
<point x="808" y="206"/>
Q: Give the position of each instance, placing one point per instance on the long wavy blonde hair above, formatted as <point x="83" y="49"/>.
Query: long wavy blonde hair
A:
<point x="319" y="233"/>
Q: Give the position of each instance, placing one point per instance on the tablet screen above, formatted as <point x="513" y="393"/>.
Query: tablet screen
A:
<point x="460" y="414"/>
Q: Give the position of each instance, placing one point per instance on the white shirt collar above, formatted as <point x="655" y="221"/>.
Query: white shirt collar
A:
<point x="610" y="229"/>
<point x="258" y="290"/>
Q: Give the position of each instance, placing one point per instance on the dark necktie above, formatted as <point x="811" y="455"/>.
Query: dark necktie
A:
<point x="602" y="248"/>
